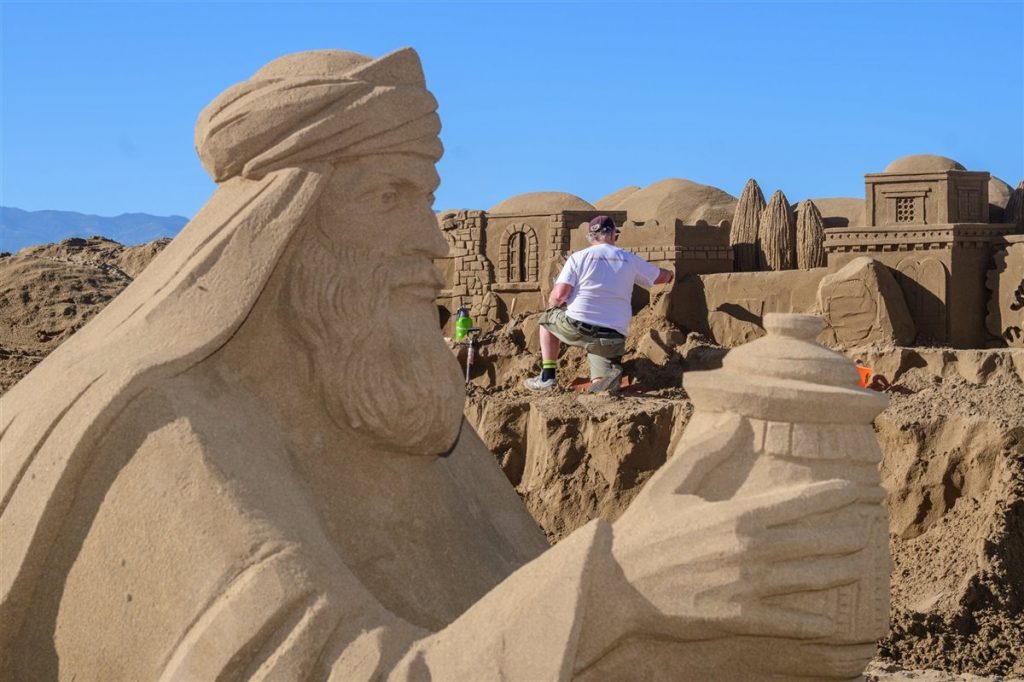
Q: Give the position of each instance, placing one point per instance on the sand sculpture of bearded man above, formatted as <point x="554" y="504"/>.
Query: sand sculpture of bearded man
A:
<point x="250" y="464"/>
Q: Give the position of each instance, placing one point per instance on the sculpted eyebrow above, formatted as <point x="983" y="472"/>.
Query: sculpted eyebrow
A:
<point x="423" y="181"/>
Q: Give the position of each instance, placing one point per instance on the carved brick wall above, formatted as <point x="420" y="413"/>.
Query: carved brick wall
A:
<point x="471" y="273"/>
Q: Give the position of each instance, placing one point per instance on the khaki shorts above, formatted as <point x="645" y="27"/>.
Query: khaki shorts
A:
<point x="601" y="350"/>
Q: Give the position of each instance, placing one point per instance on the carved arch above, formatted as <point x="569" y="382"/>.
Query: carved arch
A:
<point x="518" y="254"/>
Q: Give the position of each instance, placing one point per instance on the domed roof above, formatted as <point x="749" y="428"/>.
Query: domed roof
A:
<point x="541" y="203"/>
<point x="922" y="163"/>
<point x="998" y="192"/>
<point x="675" y="198"/>
<point x="840" y="211"/>
<point x="998" y="196"/>
<point x="611" y="202"/>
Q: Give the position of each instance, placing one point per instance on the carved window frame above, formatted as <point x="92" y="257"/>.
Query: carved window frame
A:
<point x="914" y="198"/>
<point x="526" y="239"/>
<point x="968" y="204"/>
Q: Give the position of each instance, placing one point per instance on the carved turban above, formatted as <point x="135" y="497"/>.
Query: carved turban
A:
<point x="318" y="106"/>
<point x="271" y="141"/>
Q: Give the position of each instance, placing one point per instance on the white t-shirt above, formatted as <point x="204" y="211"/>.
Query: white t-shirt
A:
<point x="602" y="278"/>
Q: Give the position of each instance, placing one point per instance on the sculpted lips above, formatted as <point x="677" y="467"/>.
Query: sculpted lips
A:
<point x="418" y="278"/>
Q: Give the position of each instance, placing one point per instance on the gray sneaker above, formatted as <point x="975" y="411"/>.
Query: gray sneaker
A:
<point x="538" y="384"/>
<point x="609" y="382"/>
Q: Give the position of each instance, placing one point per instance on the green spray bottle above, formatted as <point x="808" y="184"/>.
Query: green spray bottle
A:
<point x="463" y="323"/>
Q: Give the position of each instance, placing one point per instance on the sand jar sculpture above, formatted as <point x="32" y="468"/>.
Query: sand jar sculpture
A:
<point x="795" y="417"/>
<point x="253" y="464"/>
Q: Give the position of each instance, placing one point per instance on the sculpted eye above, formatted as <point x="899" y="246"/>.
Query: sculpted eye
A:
<point x="388" y="198"/>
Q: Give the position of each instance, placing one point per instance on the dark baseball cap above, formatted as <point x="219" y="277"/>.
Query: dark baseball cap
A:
<point x="602" y="224"/>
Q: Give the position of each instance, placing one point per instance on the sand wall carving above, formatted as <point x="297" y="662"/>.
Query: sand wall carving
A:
<point x="927" y="219"/>
<point x="730" y="307"/>
<point x="1005" y="281"/>
<point x="862" y="304"/>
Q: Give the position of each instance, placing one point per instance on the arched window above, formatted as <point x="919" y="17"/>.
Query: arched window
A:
<point x="516" y="257"/>
<point x="519" y="255"/>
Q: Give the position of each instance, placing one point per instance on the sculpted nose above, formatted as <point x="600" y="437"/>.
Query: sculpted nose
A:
<point x="427" y="240"/>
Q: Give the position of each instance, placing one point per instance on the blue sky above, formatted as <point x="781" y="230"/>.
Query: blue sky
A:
<point x="99" y="100"/>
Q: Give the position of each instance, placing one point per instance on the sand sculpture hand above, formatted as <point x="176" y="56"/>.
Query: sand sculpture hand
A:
<point x="710" y="568"/>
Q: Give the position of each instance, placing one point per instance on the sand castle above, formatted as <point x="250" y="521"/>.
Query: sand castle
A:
<point x="192" y="491"/>
<point x="926" y="219"/>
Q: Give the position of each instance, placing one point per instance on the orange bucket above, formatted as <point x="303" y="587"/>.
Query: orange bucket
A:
<point x="865" y="375"/>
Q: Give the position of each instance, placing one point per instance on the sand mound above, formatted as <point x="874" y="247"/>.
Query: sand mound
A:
<point x="611" y="202"/>
<point x="541" y="203"/>
<point x="840" y="211"/>
<point x="49" y="292"/>
<point x="676" y="199"/>
<point x="998" y="196"/>
<point x="922" y="163"/>
<point x="954" y="469"/>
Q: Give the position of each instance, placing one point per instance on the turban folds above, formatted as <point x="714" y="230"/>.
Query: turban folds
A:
<point x="317" y="107"/>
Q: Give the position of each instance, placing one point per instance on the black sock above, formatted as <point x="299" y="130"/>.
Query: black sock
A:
<point x="548" y="372"/>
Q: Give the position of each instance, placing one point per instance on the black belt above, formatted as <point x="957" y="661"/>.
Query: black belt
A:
<point x="593" y="329"/>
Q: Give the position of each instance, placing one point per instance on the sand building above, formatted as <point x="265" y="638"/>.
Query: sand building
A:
<point x="927" y="219"/>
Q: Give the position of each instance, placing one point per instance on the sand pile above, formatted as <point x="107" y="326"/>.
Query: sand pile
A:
<point x="575" y="457"/>
<point x="48" y="292"/>
<point x="954" y="469"/>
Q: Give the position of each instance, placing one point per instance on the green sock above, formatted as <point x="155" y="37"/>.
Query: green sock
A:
<point x="548" y="371"/>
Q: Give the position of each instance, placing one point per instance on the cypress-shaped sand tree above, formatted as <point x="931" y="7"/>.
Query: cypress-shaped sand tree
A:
<point x="1014" y="211"/>
<point x="810" y="236"/>
<point x="743" y="235"/>
<point x="776" y="235"/>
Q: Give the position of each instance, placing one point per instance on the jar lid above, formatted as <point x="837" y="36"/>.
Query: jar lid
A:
<point x="786" y="376"/>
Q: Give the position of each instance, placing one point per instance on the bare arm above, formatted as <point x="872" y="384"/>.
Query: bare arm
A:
<point x="560" y="293"/>
<point x="664" y="276"/>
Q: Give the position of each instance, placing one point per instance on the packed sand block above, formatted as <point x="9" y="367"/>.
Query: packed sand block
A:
<point x="730" y="307"/>
<point x="862" y="304"/>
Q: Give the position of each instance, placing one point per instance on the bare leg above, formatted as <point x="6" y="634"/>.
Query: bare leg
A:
<point x="549" y="344"/>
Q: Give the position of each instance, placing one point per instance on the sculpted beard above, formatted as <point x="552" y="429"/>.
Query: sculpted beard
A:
<point x="375" y="359"/>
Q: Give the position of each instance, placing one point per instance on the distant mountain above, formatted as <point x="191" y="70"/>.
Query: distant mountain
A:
<point x="19" y="228"/>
